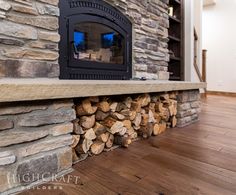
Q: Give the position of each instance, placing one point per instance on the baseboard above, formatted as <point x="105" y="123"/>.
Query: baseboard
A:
<point x="229" y="94"/>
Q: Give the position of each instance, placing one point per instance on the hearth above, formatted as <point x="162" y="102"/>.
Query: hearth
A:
<point x="96" y="41"/>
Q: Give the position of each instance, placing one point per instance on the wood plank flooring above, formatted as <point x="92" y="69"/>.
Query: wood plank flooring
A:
<point x="198" y="159"/>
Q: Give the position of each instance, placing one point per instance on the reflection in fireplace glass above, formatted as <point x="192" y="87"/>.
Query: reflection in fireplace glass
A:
<point x="99" y="43"/>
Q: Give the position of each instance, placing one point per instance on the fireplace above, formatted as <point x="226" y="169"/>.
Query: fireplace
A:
<point x="96" y="41"/>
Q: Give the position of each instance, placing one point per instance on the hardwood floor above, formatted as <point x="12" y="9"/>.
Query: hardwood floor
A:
<point x="198" y="159"/>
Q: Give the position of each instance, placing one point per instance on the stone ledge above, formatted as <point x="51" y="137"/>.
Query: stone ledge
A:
<point x="41" y="89"/>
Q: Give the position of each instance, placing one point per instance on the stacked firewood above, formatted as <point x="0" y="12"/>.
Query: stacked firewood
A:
<point x="103" y="123"/>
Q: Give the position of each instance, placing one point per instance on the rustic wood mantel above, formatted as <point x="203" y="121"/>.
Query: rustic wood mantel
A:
<point x="42" y="89"/>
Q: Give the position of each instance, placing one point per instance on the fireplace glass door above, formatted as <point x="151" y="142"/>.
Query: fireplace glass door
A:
<point x="98" y="43"/>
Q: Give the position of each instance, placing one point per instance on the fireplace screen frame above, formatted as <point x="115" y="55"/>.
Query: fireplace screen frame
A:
<point x="78" y="11"/>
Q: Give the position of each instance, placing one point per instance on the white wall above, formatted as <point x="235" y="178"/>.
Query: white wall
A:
<point x="193" y="18"/>
<point x="219" y="38"/>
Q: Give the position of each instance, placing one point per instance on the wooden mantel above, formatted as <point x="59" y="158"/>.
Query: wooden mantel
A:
<point x="42" y="89"/>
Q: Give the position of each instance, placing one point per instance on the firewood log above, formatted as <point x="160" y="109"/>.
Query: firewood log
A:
<point x="152" y="107"/>
<point x="117" y="116"/>
<point x="110" y="141"/>
<point x="123" y="131"/>
<point x="136" y="106"/>
<point x="157" y="117"/>
<point x="75" y="140"/>
<point x="128" y="102"/>
<point x="85" y="108"/>
<point x="97" y="147"/>
<point x="94" y="99"/>
<point x="99" y="129"/>
<point x="78" y="130"/>
<point x="103" y="137"/>
<point x="133" y="135"/>
<point x="100" y="116"/>
<point x="144" y="100"/>
<point x="156" y="129"/>
<point x="127" y="124"/>
<point x="90" y="134"/>
<point x="84" y="147"/>
<point x="128" y="114"/>
<point x="113" y="106"/>
<point x="117" y="127"/>
<point x="121" y="106"/>
<point x="173" y="121"/>
<point x="162" y="127"/>
<point x="145" y="118"/>
<point x="130" y="131"/>
<point x="147" y="130"/>
<point x="155" y="98"/>
<point x="122" y="141"/>
<point x="151" y="118"/>
<point x="137" y="120"/>
<point x="75" y="157"/>
<point x="87" y="121"/>
<point x="164" y="96"/>
<point x="173" y="95"/>
<point x="109" y="122"/>
<point x="103" y="106"/>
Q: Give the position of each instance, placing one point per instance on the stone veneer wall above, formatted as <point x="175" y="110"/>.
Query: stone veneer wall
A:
<point x="29" y="37"/>
<point x="36" y="137"/>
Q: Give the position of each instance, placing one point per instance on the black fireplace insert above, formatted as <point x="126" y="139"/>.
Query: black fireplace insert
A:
<point x="96" y="41"/>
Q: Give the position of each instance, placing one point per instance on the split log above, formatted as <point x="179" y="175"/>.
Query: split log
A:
<point x="155" y="98"/>
<point x="84" y="147"/>
<point x="145" y="119"/>
<point x="157" y="117"/>
<point x="152" y="107"/>
<point x="128" y="114"/>
<point x="87" y="121"/>
<point x="78" y="130"/>
<point x="162" y="127"/>
<point x="137" y="120"/>
<point x="151" y="118"/>
<point x="97" y="147"/>
<point x="103" y="106"/>
<point x="123" y="131"/>
<point x="164" y="97"/>
<point x="133" y="135"/>
<point x="128" y="102"/>
<point x="156" y="129"/>
<point x="173" y="121"/>
<point x="75" y="157"/>
<point x="113" y="106"/>
<point x="110" y="141"/>
<point x="94" y="99"/>
<point x="75" y="140"/>
<point x="90" y="134"/>
<point x="85" y="108"/>
<point x="121" y="106"/>
<point x="109" y="122"/>
<point x="122" y="141"/>
<point x="136" y="106"/>
<point x="127" y="124"/>
<point x="103" y="137"/>
<point x="100" y="116"/>
<point x="117" y="127"/>
<point x="147" y="130"/>
<point x="99" y="129"/>
<point x="130" y="131"/>
<point x="173" y="95"/>
<point x="117" y="116"/>
<point x="144" y="100"/>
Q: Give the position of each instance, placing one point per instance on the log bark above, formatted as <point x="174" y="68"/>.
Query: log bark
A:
<point x="99" y="129"/>
<point x="136" y="106"/>
<point x="128" y="102"/>
<point x="122" y="141"/>
<point x="75" y="140"/>
<point x="121" y="106"/>
<point x="113" y="106"/>
<point x="110" y="141"/>
<point x="87" y="121"/>
<point x="85" y="108"/>
<point x="77" y="129"/>
<point x="117" y="116"/>
<point x="84" y="147"/>
<point x="97" y="147"/>
<point x="100" y="116"/>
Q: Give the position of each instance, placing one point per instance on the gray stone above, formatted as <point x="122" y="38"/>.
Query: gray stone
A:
<point x="43" y="145"/>
<point x="184" y="106"/>
<point x="49" y="36"/>
<point x="14" y="136"/>
<point x="42" y="118"/>
<point x="16" y="108"/>
<point x="7" y="160"/>
<point x="182" y="122"/>
<point x="35" y="169"/>
<point x="11" y="41"/>
<point x="44" y="9"/>
<point x="6" y="124"/>
<point x="47" y="22"/>
<point x="4" y="5"/>
<point x="28" y="69"/>
<point x="195" y="104"/>
<point x="61" y="129"/>
<point x="24" y="9"/>
<point x="18" y="30"/>
<point x="51" y="2"/>
<point x="190" y="112"/>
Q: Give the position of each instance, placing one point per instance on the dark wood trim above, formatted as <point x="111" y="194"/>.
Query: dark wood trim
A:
<point x="221" y="93"/>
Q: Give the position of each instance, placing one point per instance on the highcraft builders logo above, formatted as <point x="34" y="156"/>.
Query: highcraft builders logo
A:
<point x="44" y="181"/>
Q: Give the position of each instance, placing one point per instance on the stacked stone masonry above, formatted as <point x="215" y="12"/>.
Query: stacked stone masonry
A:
<point x="29" y="37"/>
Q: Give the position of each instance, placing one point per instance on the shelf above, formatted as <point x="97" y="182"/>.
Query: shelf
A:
<point x="175" y="58"/>
<point x="174" y="19"/>
<point x="174" y="38"/>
